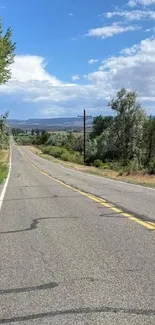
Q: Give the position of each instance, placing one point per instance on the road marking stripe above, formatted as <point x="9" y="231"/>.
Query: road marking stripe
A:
<point x="6" y="182"/>
<point x="151" y="223"/>
<point x="147" y="224"/>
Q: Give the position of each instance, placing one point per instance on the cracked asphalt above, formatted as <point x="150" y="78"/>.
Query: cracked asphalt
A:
<point x="65" y="259"/>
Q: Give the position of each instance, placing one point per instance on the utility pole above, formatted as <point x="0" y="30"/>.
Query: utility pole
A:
<point x="84" y="133"/>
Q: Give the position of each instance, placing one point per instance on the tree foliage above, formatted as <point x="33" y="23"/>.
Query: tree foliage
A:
<point x="7" y="48"/>
<point x="100" y="124"/>
<point x="4" y="140"/>
<point x="128" y="125"/>
<point x="125" y="141"/>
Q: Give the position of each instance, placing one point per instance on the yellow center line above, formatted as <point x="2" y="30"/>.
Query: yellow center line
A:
<point x="147" y="224"/>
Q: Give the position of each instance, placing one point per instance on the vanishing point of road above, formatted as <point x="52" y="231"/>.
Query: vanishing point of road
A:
<point x="74" y="248"/>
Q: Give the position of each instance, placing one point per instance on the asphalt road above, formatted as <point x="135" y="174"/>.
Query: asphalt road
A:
<point x="66" y="259"/>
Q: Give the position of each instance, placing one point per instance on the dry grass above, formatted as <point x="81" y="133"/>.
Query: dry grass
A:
<point x="136" y="178"/>
<point x="4" y="156"/>
<point x="4" y="159"/>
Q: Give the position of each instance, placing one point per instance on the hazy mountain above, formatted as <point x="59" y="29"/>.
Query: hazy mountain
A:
<point x="51" y="123"/>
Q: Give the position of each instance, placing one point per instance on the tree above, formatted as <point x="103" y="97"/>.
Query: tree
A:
<point x="79" y="144"/>
<point x="3" y="131"/>
<point x="129" y="124"/>
<point x="107" y="148"/>
<point x="7" y="48"/>
<point x="70" y="141"/>
<point x="149" y="140"/>
<point x="16" y="131"/>
<point x="100" y="123"/>
<point x="91" y="150"/>
<point x="44" y="137"/>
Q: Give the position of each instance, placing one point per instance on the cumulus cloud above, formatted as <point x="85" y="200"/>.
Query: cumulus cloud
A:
<point x="134" y="3"/>
<point x="111" y="30"/>
<point x="91" y="61"/>
<point x="132" y="14"/>
<point x="75" y="77"/>
<point x="133" y="69"/>
<point x="32" y="85"/>
<point x="31" y="67"/>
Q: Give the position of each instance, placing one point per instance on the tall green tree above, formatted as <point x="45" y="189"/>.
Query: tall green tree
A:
<point x="4" y="140"/>
<point x="7" y="48"/>
<point x="100" y="124"/>
<point x="149" y="140"/>
<point x="129" y="124"/>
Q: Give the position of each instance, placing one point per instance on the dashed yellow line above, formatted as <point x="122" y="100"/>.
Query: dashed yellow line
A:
<point x="147" y="224"/>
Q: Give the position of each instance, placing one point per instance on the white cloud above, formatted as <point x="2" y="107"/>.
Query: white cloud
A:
<point x="29" y="67"/>
<point x="134" y="3"/>
<point x="32" y="85"/>
<point x="91" y="61"/>
<point x="71" y="14"/>
<point x="152" y="29"/>
<point x="133" y="68"/>
<point x="111" y="30"/>
<point x="75" y="77"/>
<point x="132" y="14"/>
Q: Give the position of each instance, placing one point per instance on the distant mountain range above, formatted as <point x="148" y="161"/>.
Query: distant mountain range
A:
<point x="61" y="123"/>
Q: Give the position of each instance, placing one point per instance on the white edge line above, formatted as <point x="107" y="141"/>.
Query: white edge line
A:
<point x="7" y="180"/>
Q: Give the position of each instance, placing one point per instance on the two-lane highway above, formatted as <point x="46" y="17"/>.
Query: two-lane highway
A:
<point x="68" y="259"/>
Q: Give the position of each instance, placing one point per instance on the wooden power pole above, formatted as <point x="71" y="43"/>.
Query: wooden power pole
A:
<point x="84" y="133"/>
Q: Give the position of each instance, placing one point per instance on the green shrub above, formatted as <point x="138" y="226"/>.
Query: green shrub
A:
<point x="115" y="165"/>
<point x="63" y="153"/>
<point x="53" y="151"/>
<point x="121" y="172"/>
<point x="98" y="163"/>
<point x="3" y="172"/>
<point x="66" y="156"/>
<point x="77" y="158"/>
<point x="151" y="168"/>
<point x="24" y="140"/>
<point x="132" y="167"/>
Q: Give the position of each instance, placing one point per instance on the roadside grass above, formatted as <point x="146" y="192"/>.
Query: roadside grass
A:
<point x="4" y="159"/>
<point x="138" y="178"/>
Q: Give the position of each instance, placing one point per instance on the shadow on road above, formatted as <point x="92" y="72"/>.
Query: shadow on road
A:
<point x="104" y="309"/>
<point x="28" y="289"/>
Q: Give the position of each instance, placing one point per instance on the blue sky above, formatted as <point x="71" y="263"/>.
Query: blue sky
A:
<point x="76" y="54"/>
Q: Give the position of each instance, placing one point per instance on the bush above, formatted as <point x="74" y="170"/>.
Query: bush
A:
<point x="77" y="158"/>
<point x="115" y="165"/>
<point x="4" y="141"/>
<point x="66" y="156"/>
<point x="121" y="172"/>
<point x="63" y="153"/>
<point x="24" y="140"/>
<point x="106" y="166"/>
<point x="98" y="163"/>
<point x="151" y="168"/>
<point x="53" y="151"/>
<point x="133" y="166"/>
